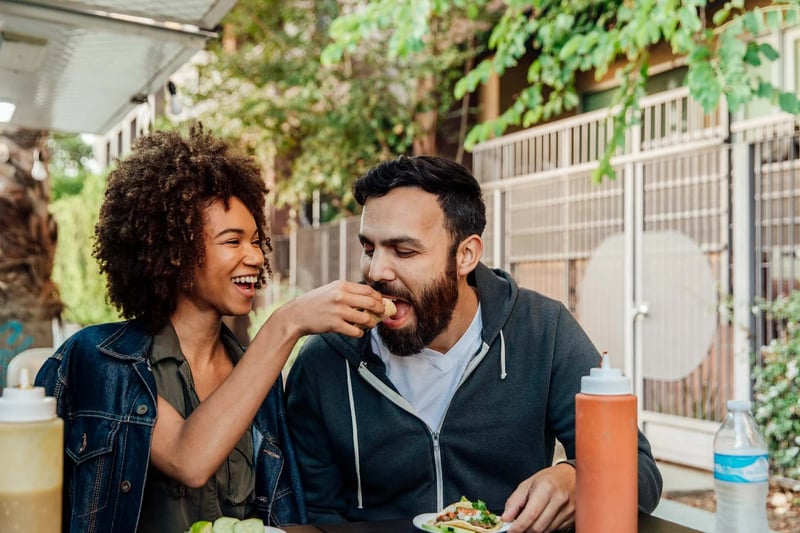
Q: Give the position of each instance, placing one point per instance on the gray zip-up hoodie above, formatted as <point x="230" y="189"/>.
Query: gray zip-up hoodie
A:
<point x="364" y="454"/>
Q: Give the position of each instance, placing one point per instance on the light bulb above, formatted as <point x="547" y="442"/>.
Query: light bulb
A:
<point x="38" y="172"/>
<point x="175" y="106"/>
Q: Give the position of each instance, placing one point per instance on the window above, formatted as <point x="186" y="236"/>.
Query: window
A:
<point x="655" y="84"/>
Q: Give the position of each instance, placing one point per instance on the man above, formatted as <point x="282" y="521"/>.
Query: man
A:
<point x="462" y="391"/>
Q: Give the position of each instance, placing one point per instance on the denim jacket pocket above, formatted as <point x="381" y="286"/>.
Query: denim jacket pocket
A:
<point x="89" y="446"/>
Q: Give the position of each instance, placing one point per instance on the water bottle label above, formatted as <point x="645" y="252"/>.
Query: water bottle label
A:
<point x="741" y="468"/>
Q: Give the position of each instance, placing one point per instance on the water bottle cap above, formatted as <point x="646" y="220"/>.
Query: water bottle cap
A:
<point x="739" y="405"/>
<point x="26" y="403"/>
<point x="605" y="380"/>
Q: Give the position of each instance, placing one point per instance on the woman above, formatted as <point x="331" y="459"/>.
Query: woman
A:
<point x="168" y="420"/>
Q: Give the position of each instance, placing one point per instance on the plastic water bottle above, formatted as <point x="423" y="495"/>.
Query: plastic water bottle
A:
<point x="741" y="472"/>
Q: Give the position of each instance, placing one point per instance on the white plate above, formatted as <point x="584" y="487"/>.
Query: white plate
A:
<point x="270" y="529"/>
<point x="420" y="520"/>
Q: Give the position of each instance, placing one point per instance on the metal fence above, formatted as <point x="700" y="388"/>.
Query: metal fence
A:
<point x="776" y="187"/>
<point x="646" y="262"/>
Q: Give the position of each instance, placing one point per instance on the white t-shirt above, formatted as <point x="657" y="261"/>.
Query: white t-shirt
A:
<point x="429" y="379"/>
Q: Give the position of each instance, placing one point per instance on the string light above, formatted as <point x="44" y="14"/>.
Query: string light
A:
<point x="175" y="106"/>
<point x="38" y="172"/>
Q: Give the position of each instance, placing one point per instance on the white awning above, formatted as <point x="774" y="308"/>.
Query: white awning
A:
<point x="81" y="66"/>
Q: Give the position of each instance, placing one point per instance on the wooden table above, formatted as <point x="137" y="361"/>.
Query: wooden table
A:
<point x="647" y="524"/>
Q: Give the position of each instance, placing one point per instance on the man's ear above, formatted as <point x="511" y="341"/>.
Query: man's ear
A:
<point x="469" y="254"/>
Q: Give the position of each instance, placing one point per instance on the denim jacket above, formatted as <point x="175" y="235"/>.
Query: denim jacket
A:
<point x="106" y="394"/>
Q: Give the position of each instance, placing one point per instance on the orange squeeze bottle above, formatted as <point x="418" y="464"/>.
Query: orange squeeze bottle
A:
<point x="606" y="454"/>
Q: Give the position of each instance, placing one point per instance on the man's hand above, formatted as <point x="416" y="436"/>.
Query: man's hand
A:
<point x="544" y="502"/>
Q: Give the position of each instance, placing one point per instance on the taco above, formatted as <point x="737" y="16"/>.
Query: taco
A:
<point x="389" y="309"/>
<point x="466" y="516"/>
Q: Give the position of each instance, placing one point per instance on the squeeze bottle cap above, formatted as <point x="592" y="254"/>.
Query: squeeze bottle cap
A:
<point x="739" y="405"/>
<point x="26" y="403"/>
<point x="605" y="380"/>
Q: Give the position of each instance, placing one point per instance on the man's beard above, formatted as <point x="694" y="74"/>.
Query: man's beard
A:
<point x="433" y="312"/>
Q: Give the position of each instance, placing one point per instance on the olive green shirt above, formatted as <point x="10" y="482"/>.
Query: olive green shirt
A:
<point x="169" y="506"/>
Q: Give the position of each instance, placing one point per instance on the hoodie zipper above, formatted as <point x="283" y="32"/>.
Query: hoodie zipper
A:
<point x="404" y="404"/>
<point x="437" y="461"/>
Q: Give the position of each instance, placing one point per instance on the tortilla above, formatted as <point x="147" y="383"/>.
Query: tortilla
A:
<point x="468" y="516"/>
<point x="389" y="309"/>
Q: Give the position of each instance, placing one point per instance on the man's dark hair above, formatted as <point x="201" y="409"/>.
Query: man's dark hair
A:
<point x="458" y="192"/>
<point x="149" y="237"/>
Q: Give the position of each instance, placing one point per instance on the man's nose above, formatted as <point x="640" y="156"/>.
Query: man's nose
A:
<point x="380" y="268"/>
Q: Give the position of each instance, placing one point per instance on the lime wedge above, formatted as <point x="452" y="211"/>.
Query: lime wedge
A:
<point x="202" y="526"/>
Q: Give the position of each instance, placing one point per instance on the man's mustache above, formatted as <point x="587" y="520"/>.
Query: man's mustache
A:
<point x="388" y="290"/>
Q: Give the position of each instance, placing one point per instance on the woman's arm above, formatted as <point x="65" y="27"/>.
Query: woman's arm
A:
<point x="191" y="450"/>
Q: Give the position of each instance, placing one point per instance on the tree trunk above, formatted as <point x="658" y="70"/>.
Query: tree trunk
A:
<point x="427" y="118"/>
<point x="28" y="298"/>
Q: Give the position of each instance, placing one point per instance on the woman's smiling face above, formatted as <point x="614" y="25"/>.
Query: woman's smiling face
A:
<point x="226" y="280"/>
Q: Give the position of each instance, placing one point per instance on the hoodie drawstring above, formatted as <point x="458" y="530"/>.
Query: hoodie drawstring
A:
<point x="355" y="433"/>
<point x="503" y="373"/>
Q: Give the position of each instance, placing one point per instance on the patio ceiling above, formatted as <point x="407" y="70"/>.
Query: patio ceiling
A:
<point x="81" y="66"/>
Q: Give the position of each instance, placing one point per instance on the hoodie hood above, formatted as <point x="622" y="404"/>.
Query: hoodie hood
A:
<point x="497" y="293"/>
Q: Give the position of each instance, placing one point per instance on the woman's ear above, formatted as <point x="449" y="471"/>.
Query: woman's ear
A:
<point x="469" y="254"/>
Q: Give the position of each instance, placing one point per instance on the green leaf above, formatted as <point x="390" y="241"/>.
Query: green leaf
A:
<point x="721" y="15"/>
<point x="571" y="100"/>
<point x="570" y="47"/>
<point x="751" y="56"/>
<point x="704" y="87"/>
<point x="788" y="102"/>
<point x="699" y="53"/>
<point x="734" y="101"/>
<point x="754" y="21"/>
<point x="332" y="54"/>
<point x="765" y="90"/>
<point x="689" y="19"/>
<point x="768" y="51"/>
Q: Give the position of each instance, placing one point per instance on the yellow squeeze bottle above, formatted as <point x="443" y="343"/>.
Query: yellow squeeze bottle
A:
<point x="32" y="455"/>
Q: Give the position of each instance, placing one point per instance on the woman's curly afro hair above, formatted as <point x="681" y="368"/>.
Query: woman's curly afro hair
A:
<point x="149" y="237"/>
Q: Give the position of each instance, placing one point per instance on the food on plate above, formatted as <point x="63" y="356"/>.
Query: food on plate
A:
<point x="202" y="526"/>
<point x="465" y="516"/>
<point x="224" y="524"/>
<point x="389" y="309"/>
<point x="251" y="525"/>
<point x="227" y="524"/>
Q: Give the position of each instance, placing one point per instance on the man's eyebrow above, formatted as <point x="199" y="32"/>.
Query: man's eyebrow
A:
<point x="394" y="241"/>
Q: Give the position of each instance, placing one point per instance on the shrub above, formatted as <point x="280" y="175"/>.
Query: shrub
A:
<point x="75" y="270"/>
<point x="279" y="295"/>
<point x="777" y="386"/>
